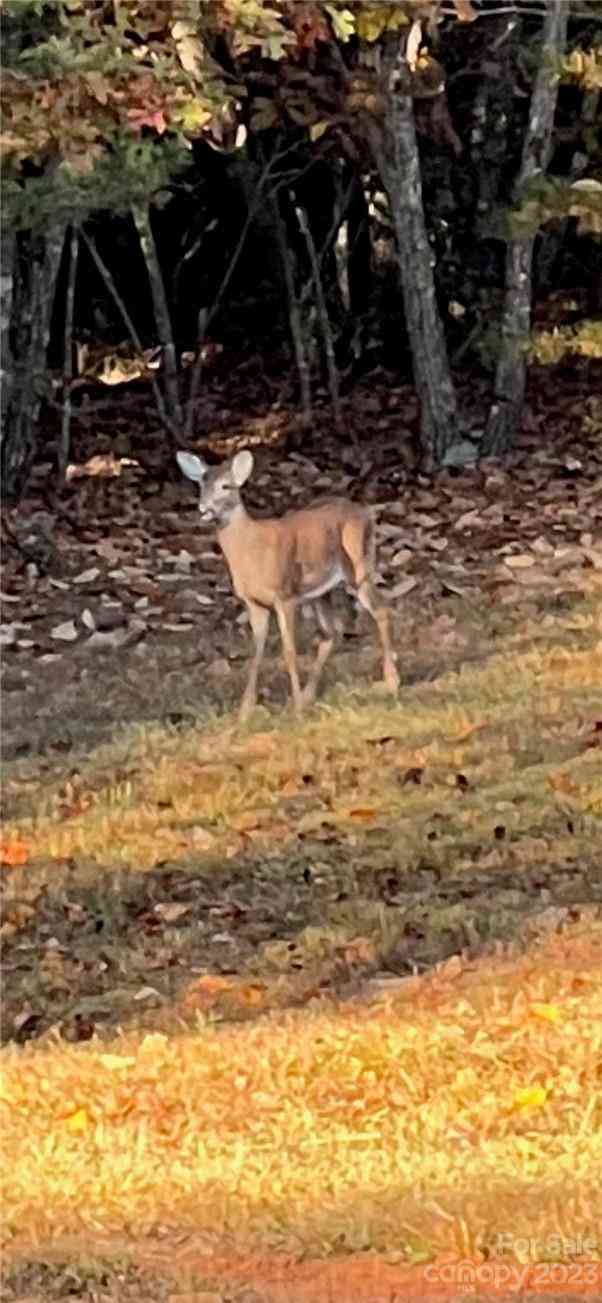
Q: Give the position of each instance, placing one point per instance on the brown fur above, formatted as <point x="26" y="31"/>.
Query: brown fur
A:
<point x="280" y="564"/>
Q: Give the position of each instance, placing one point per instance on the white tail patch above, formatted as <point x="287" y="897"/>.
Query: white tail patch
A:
<point x="326" y="585"/>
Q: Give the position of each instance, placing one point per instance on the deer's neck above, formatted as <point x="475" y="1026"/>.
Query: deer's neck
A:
<point x="233" y="527"/>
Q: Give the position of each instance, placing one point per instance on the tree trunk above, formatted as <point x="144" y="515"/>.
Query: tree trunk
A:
<point x="32" y="301"/>
<point x="7" y="274"/>
<point x="511" y="373"/>
<point x="396" y="156"/>
<point x="141" y="217"/>
<point x="65" y="442"/>
<point x="324" y="321"/>
<point x="109" y="281"/>
<point x="295" y="317"/>
<point x="359" y="249"/>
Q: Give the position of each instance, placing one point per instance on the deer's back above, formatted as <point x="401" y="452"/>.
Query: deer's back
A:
<point x="300" y="555"/>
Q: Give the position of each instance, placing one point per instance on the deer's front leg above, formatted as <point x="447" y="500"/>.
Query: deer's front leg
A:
<point x="285" y="612"/>
<point x="259" y="617"/>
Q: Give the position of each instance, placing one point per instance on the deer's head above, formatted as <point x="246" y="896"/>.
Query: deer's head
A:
<point x="219" y="486"/>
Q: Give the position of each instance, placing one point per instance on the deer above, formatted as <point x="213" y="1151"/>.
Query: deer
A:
<point x="282" y="563"/>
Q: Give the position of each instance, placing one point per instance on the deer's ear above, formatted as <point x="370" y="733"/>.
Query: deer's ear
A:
<point x="241" y="467"/>
<point x="191" y="465"/>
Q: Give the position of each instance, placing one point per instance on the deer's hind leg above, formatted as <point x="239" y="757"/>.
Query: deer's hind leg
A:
<point x="358" y="542"/>
<point x="382" y="617"/>
<point x="325" y="646"/>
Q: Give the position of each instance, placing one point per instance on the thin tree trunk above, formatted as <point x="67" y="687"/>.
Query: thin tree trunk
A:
<point x="511" y="373"/>
<point x="324" y="320"/>
<point x="142" y="221"/>
<point x="135" y="338"/>
<point x="396" y="156"/>
<point x="294" y="316"/>
<point x="32" y="311"/>
<point x="359" y="250"/>
<point x="7" y="281"/>
<point x="65" y="444"/>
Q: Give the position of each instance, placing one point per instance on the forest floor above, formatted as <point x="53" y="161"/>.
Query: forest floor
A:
<point x="309" y="1011"/>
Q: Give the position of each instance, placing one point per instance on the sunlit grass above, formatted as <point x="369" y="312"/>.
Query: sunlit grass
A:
<point x="509" y="726"/>
<point x="422" y="1122"/>
<point x="433" y="1120"/>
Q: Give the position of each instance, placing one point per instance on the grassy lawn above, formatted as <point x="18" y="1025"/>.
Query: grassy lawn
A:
<point x="315" y="989"/>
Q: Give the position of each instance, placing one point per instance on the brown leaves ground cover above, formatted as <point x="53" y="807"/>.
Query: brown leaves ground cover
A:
<point x="118" y="563"/>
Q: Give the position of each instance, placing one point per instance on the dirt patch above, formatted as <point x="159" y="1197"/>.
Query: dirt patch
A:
<point x="176" y="1274"/>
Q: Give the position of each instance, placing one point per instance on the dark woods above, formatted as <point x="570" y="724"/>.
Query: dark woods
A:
<point x="385" y="189"/>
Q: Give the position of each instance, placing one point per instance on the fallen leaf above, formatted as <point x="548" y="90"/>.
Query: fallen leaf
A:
<point x="530" y="1097"/>
<point x="66" y="632"/>
<point x="86" y="576"/>
<point x="13" y="853"/>
<point x="426" y="522"/>
<point x="201" y="838"/>
<point x="213" y="984"/>
<point x="520" y="561"/>
<point x="77" y="1122"/>
<point x="147" y="993"/>
<point x="99" y="641"/>
<point x="404" y="587"/>
<point x="171" y="911"/>
<point x="8" y="634"/>
<point x="208" y="989"/>
<point x="246" y="820"/>
<point x="467" y="520"/>
<point x="562" y="782"/>
<point x="251" y="994"/>
<point x="549" y="1012"/>
<point x="401" y="557"/>
<point x="116" y="1062"/>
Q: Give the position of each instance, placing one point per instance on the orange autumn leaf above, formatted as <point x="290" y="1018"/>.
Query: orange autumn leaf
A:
<point x="246" y="821"/>
<point x="13" y="853"/>
<point x="251" y="995"/>
<point x="207" y="990"/>
<point x="213" y="984"/>
<point x="562" y="782"/>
